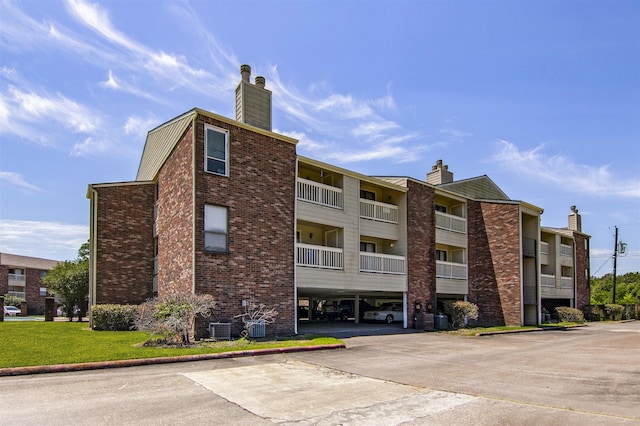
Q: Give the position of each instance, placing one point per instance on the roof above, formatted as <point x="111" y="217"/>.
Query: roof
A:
<point x="478" y="188"/>
<point x="162" y="140"/>
<point x="19" y="261"/>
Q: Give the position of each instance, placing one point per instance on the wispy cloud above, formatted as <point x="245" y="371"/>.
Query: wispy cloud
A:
<point x="564" y="172"/>
<point x="16" y="179"/>
<point x="139" y="127"/>
<point x="54" y="240"/>
<point x="29" y="114"/>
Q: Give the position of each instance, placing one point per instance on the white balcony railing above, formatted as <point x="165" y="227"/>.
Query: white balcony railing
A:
<point x="320" y="256"/>
<point x="547" y="280"/>
<point x="451" y="270"/>
<point x="19" y="294"/>
<point x="566" y="250"/>
<point x="451" y="222"/>
<point x="566" y="282"/>
<point x="382" y="263"/>
<point x="376" y="210"/>
<point x="319" y="193"/>
<point x="17" y="277"/>
<point x="544" y="248"/>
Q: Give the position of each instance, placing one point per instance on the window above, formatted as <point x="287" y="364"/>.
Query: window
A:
<point x="441" y="255"/>
<point x="440" y="208"/>
<point x="215" y="228"/>
<point x="368" y="247"/>
<point x="216" y="155"/>
<point x="367" y="195"/>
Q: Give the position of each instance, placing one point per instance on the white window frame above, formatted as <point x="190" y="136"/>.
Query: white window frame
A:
<point x="226" y="150"/>
<point x="216" y="228"/>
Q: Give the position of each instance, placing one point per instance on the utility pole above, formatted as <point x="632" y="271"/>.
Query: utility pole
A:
<point x="615" y="263"/>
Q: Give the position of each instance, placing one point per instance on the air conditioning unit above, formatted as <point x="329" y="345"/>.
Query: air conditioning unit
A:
<point x="220" y="330"/>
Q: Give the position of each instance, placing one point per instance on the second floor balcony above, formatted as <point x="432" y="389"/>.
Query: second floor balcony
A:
<point x="382" y="263"/>
<point x="320" y="256"/>
<point x="451" y="270"/>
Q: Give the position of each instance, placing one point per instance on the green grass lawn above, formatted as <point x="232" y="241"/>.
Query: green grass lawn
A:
<point x="474" y="331"/>
<point x="47" y="343"/>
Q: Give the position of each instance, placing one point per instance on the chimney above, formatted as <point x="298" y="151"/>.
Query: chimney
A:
<point x="439" y="174"/>
<point x="253" y="101"/>
<point x="575" y="221"/>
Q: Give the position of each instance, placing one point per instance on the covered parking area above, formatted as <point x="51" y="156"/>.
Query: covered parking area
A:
<point x="341" y="313"/>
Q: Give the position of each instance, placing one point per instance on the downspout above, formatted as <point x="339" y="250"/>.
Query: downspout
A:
<point x="92" y="194"/>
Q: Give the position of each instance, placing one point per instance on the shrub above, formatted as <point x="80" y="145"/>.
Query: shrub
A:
<point x="113" y="317"/>
<point x="11" y="300"/>
<point x="567" y="314"/>
<point x="460" y="310"/>
<point x="614" y="311"/>
<point x="172" y="316"/>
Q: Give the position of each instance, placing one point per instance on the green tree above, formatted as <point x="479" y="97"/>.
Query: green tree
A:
<point x="69" y="282"/>
<point x="627" y="289"/>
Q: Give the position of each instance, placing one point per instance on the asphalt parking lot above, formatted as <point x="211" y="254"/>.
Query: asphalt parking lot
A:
<point x="583" y="376"/>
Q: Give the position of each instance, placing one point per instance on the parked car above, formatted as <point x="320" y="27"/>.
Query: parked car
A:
<point x="11" y="311"/>
<point x="387" y="312"/>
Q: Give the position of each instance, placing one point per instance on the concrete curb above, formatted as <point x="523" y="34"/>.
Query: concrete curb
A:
<point x="61" y="368"/>
<point x="529" y="330"/>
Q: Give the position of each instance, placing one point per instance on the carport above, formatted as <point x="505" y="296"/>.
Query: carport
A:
<point x="339" y="313"/>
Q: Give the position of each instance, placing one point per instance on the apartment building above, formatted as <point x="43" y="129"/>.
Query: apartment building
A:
<point x="21" y="277"/>
<point x="227" y="207"/>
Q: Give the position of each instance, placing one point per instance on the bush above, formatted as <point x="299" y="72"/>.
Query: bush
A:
<point x="11" y="300"/>
<point x="460" y="310"/>
<point x="114" y="317"/>
<point x="567" y="314"/>
<point x="172" y="316"/>
<point x="614" y="311"/>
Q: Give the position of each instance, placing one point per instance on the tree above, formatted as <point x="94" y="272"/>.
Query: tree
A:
<point x="69" y="282"/>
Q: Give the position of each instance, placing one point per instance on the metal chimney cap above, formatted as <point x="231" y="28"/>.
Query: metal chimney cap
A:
<point x="245" y="71"/>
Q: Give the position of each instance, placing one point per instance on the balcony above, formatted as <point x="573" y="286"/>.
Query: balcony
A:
<point x="451" y="270"/>
<point x="17" y="277"/>
<point x="547" y="280"/>
<point x="450" y="222"/>
<point x="320" y="256"/>
<point x="378" y="211"/>
<point x="566" y="282"/>
<point x="319" y="193"/>
<point x="19" y="294"/>
<point x="566" y="250"/>
<point x="382" y="263"/>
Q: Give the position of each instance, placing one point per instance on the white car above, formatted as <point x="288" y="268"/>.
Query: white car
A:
<point x="11" y="311"/>
<point x="387" y="312"/>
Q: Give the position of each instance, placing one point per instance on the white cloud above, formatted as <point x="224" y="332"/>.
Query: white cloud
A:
<point x="111" y="82"/>
<point x="18" y="180"/>
<point x="564" y="172"/>
<point x="139" y="127"/>
<point x="49" y="240"/>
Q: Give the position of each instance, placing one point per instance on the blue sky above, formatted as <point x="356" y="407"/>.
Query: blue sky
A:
<point x="541" y="96"/>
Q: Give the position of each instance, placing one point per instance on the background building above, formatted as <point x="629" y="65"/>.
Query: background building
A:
<point x="21" y="276"/>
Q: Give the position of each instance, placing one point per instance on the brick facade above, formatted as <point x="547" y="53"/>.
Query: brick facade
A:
<point x="4" y="279"/>
<point x="494" y="262"/>
<point x="175" y="219"/>
<point x="260" y="195"/>
<point x="124" y="243"/>
<point x="33" y="284"/>
<point x="583" y="289"/>
<point x="421" y="247"/>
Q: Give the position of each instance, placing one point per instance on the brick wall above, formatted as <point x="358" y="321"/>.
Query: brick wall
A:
<point x="260" y="195"/>
<point x="175" y="219"/>
<point x="124" y="263"/>
<point x="4" y="279"/>
<point x="494" y="262"/>
<point x="421" y="247"/>
<point x="583" y="289"/>
<point x="35" y="302"/>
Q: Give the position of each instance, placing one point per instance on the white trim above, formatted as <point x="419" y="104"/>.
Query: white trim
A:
<point x="208" y="127"/>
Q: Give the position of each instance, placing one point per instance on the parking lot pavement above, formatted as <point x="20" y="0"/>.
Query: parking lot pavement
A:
<point x="583" y="376"/>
